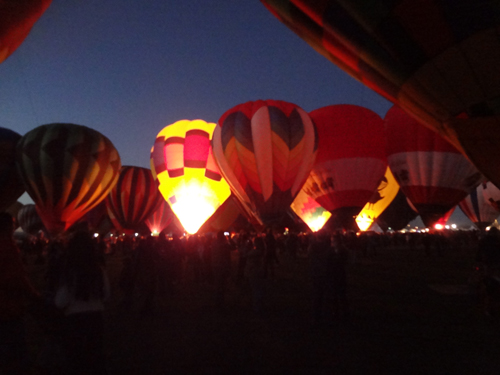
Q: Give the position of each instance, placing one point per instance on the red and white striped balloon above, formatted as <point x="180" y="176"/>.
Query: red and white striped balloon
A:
<point x="431" y="172"/>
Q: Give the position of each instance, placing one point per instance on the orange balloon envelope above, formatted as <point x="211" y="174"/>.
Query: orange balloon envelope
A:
<point x="351" y="161"/>
<point x="432" y="173"/>
<point x="67" y="170"/>
<point x="11" y="185"/>
<point x="17" y="17"/>
<point x="436" y="59"/>
<point x="265" y="149"/>
<point x="189" y="177"/>
<point x="134" y="198"/>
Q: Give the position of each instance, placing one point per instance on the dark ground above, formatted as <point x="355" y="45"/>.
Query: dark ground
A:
<point x="411" y="314"/>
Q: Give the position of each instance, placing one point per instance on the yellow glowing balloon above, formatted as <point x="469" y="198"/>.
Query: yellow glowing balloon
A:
<point x="381" y="198"/>
<point x="190" y="180"/>
<point x="310" y="211"/>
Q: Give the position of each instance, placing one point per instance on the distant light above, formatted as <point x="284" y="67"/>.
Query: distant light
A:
<point x="96" y="234"/>
<point x="226" y="233"/>
<point x="438" y="226"/>
<point x="447" y="226"/>
<point x="155" y="233"/>
<point x="137" y="234"/>
<point x="454" y="226"/>
<point x="488" y="228"/>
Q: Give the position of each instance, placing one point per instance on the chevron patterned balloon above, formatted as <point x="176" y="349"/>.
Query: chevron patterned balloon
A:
<point x="67" y="170"/>
<point x="265" y="150"/>
<point x="134" y="198"/>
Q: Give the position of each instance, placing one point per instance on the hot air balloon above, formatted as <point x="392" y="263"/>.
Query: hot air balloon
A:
<point x="310" y="211"/>
<point x="134" y="198"/>
<point x="397" y="215"/>
<point x="189" y="177"/>
<point x="17" y="17"/>
<point x="29" y="220"/>
<point x="351" y="161"/>
<point x="67" y="170"/>
<point x="438" y="60"/>
<point x="265" y="150"/>
<point x="481" y="206"/>
<point x="11" y="185"/>
<point x="379" y="201"/>
<point x="231" y="216"/>
<point x="162" y="218"/>
<point x="432" y="173"/>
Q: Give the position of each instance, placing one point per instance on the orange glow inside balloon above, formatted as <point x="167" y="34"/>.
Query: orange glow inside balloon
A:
<point x="310" y="211"/>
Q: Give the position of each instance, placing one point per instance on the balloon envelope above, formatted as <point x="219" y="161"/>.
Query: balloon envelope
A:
<point x="436" y="59"/>
<point x="162" y="218"/>
<point x="481" y="205"/>
<point x="67" y="170"/>
<point x="11" y="185"/>
<point x="29" y="220"/>
<point x="265" y="149"/>
<point x="432" y="173"/>
<point x="17" y="17"/>
<point x="310" y="211"/>
<point x="134" y="198"/>
<point x="350" y="163"/>
<point x="379" y="201"/>
<point x="397" y="215"/>
<point x="190" y="180"/>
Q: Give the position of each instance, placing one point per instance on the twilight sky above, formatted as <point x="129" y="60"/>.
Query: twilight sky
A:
<point x="128" y="68"/>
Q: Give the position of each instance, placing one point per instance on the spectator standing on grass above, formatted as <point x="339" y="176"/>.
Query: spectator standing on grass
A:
<point x="81" y="294"/>
<point x="221" y="267"/>
<point x="15" y="292"/>
<point x="255" y="272"/>
<point x="271" y="254"/>
<point x="320" y="262"/>
<point x="338" y="271"/>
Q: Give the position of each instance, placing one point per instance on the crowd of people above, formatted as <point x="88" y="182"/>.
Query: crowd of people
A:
<point x="77" y="284"/>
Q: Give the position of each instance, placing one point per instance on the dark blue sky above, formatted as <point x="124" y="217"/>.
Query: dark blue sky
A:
<point x="127" y="68"/>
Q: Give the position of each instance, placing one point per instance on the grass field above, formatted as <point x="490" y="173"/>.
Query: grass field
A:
<point x="411" y="314"/>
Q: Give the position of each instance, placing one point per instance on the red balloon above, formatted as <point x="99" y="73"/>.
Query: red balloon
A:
<point x="431" y="172"/>
<point x="17" y="17"/>
<point x="351" y="161"/>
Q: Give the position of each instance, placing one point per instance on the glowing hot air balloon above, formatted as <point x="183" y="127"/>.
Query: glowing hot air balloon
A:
<point x="351" y="161"/>
<point x="162" y="218"/>
<point x="189" y="177"/>
<point x="134" y="198"/>
<point x="17" y="17"/>
<point x="438" y="60"/>
<point x="11" y="185"/>
<point x="310" y="211"/>
<point x="432" y="173"/>
<point x="379" y="201"/>
<point x="265" y="150"/>
<point x="67" y="170"/>
<point x="481" y="206"/>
